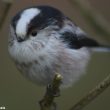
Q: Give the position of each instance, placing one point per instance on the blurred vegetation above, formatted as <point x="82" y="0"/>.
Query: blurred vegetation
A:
<point x="94" y="19"/>
<point x="5" y="11"/>
<point x="100" y="26"/>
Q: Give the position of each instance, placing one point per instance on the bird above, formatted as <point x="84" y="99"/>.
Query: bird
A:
<point x="43" y="41"/>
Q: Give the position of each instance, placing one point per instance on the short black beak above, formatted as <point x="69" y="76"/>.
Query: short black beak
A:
<point x="19" y="39"/>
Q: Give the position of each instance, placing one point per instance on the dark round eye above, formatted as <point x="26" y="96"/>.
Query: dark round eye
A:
<point x="34" y="33"/>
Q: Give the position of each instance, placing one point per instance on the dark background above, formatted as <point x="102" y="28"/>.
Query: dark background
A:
<point x="17" y="93"/>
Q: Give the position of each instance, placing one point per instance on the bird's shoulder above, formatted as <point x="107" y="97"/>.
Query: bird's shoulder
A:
<point x="77" y="38"/>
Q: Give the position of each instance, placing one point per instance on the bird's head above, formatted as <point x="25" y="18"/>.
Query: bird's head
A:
<point x="36" y="22"/>
<point x="32" y="28"/>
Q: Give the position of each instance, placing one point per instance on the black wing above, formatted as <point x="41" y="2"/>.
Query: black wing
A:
<point x="77" y="41"/>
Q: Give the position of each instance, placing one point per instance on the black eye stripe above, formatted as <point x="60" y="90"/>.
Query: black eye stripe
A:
<point x="47" y="16"/>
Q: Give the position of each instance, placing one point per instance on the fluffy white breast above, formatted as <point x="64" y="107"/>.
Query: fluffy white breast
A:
<point x="25" y="19"/>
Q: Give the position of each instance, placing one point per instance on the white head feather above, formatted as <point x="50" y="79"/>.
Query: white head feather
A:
<point x="25" y="19"/>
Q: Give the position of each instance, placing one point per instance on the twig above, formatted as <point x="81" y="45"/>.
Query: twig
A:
<point x="92" y="94"/>
<point x="98" y="23"/>
<point x="5" y="12"/>
<point x="47" y="103"/>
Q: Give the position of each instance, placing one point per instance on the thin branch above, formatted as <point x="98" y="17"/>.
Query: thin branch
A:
<point x="5" y="12"/>
<point x="47" y="103"/>
<point x="99" y="24"/>
<point x="92" y="94"/>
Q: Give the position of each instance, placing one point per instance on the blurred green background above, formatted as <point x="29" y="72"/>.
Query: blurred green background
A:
<point x="17" y="93"/>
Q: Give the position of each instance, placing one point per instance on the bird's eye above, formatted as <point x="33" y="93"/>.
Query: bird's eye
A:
<point x="34" y="33"/>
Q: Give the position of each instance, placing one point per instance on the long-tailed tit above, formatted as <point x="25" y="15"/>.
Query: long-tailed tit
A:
<point x="43" y="41"/>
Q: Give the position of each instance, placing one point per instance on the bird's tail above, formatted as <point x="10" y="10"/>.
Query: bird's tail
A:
<point x="102" y="49"/>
